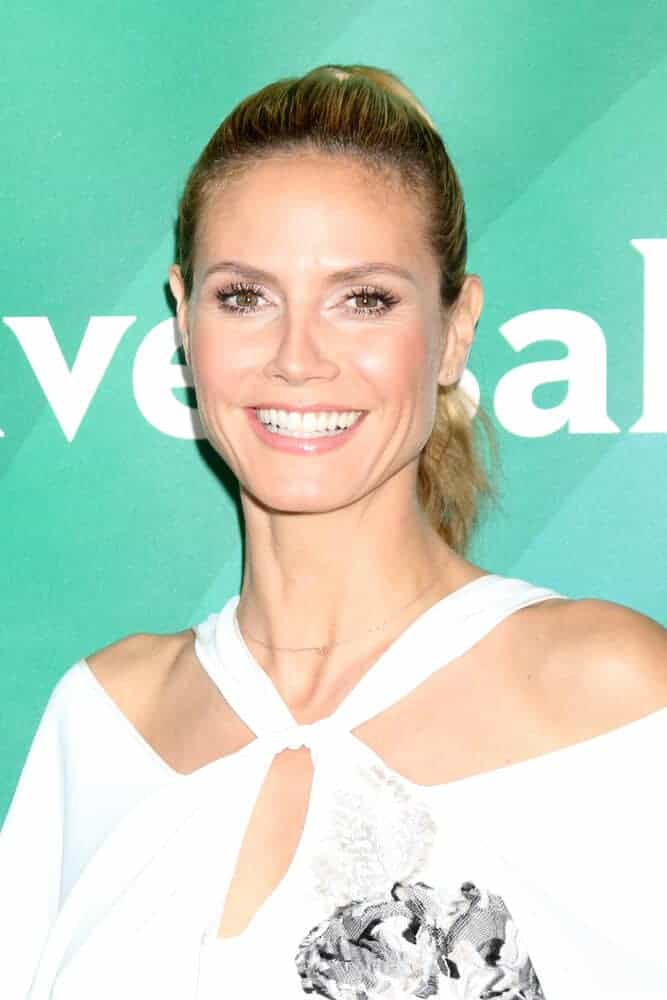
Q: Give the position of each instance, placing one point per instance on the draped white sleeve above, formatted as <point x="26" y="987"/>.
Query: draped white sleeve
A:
<point x="85" y="771"/>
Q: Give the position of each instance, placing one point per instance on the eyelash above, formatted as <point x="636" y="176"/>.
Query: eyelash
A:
<point x="240" y="288"/>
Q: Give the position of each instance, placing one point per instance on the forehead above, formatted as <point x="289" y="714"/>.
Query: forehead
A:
<point x="314" y="208"/>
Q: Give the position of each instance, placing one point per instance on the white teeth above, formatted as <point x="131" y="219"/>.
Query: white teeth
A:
<point x="308" y="424"/>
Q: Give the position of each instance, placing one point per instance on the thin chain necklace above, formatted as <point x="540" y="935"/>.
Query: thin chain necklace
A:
<point x="323" y="650"/>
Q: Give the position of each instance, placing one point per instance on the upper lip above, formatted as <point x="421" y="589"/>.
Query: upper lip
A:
<point x="337" y="408"/>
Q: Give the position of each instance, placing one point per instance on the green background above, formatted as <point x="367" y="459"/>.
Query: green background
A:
<point x="554" y="117"/>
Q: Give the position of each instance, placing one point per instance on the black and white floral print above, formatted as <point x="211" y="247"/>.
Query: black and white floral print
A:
<point x="416" y="941"/>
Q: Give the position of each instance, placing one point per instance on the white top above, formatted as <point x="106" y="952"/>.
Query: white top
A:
<point x="542" y="879"/>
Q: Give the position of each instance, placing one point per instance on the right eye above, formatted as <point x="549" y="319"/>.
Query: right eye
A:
<point x="238" y="289"/>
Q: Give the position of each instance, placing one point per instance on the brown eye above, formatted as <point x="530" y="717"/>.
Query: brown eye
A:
<point x="246" y="294"/>
<point x="381" y="295"/>
<point x="365" y="297"/>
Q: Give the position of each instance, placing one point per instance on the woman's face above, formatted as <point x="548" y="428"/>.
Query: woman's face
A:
<point x="302" y="336"/>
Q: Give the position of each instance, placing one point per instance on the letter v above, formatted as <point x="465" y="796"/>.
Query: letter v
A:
<point x="69" y="393"/>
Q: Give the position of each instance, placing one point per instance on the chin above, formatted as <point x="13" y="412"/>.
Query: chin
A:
<point x="306" y="499"/>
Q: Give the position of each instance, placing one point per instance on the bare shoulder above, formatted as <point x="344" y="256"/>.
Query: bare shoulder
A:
<point x="133" y="670"/>
<point x="601" y="664"/>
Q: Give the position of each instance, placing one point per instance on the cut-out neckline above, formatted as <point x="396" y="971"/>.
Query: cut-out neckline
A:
<point x="271" y="709"/>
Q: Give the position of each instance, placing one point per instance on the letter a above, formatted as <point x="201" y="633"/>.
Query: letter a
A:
<point x="584" y="409"/>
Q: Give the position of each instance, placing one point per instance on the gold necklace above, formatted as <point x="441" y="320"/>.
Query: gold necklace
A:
<point x="322" y="650"/>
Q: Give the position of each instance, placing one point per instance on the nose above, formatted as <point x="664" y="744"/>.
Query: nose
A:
<point x="301" y="353"/>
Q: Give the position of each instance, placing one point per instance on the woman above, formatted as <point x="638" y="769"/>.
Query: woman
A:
<point x="296" y="796"/>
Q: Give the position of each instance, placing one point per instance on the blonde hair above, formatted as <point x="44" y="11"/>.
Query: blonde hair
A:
<point x="367" y="113"/>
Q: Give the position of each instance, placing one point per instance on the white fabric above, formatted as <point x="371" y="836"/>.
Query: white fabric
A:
<point x="114" y="868"/>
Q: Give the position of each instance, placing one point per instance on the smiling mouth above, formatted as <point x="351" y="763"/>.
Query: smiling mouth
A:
<point x="309" y="423"/>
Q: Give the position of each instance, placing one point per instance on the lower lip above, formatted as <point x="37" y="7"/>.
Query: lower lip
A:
<point x="301" y="446"/>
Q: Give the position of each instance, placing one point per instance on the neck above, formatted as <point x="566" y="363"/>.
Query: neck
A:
<point x="317" y="579"/>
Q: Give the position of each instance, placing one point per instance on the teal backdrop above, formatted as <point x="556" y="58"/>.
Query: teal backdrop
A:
<point x="114" y="518"/>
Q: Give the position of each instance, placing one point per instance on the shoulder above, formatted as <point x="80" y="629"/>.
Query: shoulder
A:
<point x="601" y="664"/>
<point x="133" y="670"/>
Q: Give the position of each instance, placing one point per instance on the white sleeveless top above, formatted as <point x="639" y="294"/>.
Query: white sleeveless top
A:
<point x="541" y="879"/>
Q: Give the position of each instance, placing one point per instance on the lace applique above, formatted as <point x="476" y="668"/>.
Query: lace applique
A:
<point x="416" y="941"/>
<point x="378" y="832"/>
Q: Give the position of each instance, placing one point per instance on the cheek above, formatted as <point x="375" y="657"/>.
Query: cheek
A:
<point x="403" y="371"/>
<point x="217" y="362"/>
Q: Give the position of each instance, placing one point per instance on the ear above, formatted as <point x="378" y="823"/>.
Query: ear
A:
<point x="177" y="285"/>
<point x="460" y="332"/>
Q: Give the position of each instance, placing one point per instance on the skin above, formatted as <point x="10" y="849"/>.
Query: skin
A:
<point x="342" y="534"/>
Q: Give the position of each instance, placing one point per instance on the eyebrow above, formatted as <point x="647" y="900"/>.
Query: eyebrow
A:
<point x="347" y="274"/>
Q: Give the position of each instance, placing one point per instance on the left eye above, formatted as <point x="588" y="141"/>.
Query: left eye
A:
<point x="364" y="298"/>
<point x="381" y="294"/>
